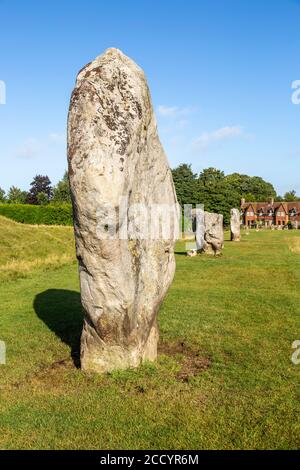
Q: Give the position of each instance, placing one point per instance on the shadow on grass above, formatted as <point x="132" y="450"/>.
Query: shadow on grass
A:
<point x="61" y="311"/>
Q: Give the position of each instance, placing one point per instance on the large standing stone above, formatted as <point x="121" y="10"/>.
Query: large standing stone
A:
<point x="114" y="152"/>
<point x="214" y="233"/>
<point x="235" y="225"/>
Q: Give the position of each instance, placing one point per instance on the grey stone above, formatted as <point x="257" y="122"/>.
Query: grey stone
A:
<point x="114" y="152"/>
<point x="235" y="225"/>
<point x="214" y="233"/>
<point x="198" y="219"/>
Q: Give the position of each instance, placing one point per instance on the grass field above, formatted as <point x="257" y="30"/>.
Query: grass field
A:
<point x="27" y="248"/>
<point x="224" y="376"/>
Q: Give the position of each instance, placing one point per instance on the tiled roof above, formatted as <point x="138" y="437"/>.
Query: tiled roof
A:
<point x="268" y="205"/>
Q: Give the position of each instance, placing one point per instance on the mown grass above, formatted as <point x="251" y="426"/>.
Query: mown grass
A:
<point x="223" y="379"/>
<point x="294" y="245"/>
<point x="28" y="248"/>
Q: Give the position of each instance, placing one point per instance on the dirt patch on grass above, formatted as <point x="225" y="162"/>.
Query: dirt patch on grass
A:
<point x="46" y="374"/>
<point x="192" y="362"/>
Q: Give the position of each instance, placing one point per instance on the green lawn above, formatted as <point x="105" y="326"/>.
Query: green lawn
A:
<point x="224" y="378"/>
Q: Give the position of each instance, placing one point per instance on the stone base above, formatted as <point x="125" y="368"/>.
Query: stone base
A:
<point x="208" y="249"/>
<point x="96" y="356"/>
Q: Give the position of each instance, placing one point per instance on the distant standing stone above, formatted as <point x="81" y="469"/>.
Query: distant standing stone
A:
<point x="214" y="233"/>
<point x="114" y="153"/>
<point x="198" y="215"/>
<point x="235" y="225"/>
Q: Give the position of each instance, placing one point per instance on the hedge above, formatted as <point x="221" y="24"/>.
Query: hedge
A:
<point x="38" y="215"/>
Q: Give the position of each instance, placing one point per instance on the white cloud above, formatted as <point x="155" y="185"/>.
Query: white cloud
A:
<point x="28" y="149"/>
<point x="173" y="119"/>
<point x="31" y="147"/>
<point x="172" y="111"/>
<point x="224" y="133"/>
<point x="55" y="137"/>
<point x="167" y="110"/>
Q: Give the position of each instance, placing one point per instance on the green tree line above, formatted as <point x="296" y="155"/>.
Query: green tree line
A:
<point x="41" y="192"/>
<point x="219" y="192"/>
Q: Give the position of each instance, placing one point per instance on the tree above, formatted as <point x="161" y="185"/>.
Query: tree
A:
<point x="16" y="195"/>
<point x="216" y="193"/>
<point x="211" y="176"/>
<point x="252" y="188"/>
<point x="290" y="196"/>
<point x="40" y="184"/>
<point x="219" y="193"/>
<point x="249" y="197"/>
<point x="2" y="195"/>
<point x="185" y="184"/>
<point x="61" y="192"/>
<point x="42" y="199"/>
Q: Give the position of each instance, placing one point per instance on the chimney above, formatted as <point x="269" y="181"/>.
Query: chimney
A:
<point x="243" y="201"/>
<point x="272" y="201"/>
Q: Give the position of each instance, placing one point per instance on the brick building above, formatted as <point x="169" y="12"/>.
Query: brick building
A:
<point x="270" y="213"/>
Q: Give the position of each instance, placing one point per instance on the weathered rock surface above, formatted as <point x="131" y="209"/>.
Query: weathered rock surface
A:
<point x="214" y="233"/>
<point x="235" y="225"/>
<point x="198" y="219"/>
<point x="114" y="152"/>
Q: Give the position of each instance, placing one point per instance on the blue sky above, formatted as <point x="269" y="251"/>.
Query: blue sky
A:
<point x="220" y="74"/>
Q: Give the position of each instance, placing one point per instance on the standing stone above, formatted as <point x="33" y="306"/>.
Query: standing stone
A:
<point x="214" y="233"/>
<point x="114" y="155"/>
<point x="235" y="225"/>
<point x="198" y="221"/>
